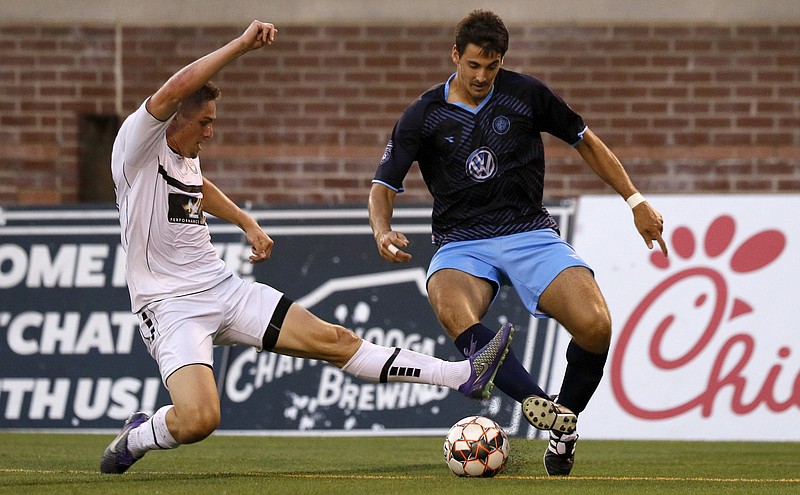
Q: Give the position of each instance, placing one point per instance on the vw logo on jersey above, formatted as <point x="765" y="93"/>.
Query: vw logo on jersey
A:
<point x="482" y="164"/>
<point x="387" y="152"/>
<point x="501" y="124"/>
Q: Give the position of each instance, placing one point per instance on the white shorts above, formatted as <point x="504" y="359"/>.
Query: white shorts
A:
<point x="180" y="331"/>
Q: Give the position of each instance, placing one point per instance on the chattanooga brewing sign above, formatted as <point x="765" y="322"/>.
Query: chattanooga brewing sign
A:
<point x="706" y="342"/>
<point x="71" y="354"/>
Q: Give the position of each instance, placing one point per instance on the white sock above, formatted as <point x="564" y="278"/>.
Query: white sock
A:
<point x="377" y="363"/>
<point x="152" y="434"/>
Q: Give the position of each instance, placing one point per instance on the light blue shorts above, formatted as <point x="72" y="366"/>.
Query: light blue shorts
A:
<point x="528" y="261"/>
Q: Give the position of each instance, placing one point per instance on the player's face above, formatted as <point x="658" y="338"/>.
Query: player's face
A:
<point x="192" y="129"/>
<point x="476" y="71"/>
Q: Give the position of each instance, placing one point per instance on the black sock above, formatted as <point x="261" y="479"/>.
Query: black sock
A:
<point x="583" y="374"/>
<point x="512" y="378"/>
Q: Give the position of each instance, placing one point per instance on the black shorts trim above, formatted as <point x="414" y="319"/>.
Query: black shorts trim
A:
<point x="275" y="324"/>
<point x="188" y="364"/>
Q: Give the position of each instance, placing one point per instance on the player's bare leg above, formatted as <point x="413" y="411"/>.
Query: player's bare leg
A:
<point x="193" y="416"/>
<point x="303" y="334"/>
<point x="196" y="412"/>
<point x="460" y="301"/>
<point x="575" y="301"/>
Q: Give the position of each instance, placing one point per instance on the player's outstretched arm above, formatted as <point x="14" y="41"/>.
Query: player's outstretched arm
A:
<point x="186" y="81"/>
<point x="607" y="166"/>
<point x="388" y="241"/>
<point x="221" y="206"/>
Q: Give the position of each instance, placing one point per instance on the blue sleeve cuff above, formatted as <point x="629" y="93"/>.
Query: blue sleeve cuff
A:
<point x="395" y="189"/>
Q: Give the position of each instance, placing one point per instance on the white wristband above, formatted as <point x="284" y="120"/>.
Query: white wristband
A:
<point x="634" y="200"/>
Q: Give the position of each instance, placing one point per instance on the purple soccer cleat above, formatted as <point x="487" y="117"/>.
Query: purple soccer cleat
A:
<point x="117" y="458"/>
<point x="485" y="363"/>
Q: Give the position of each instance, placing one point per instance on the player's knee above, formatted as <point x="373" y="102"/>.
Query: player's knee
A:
<point x="202" y="429"/>
<point x="199" y="423"/>
<point x="336" y="335"/>
<point x="593" y="332"/>
<point x="336" y="344"/>
<point x="346" y="340"/>
<point x="598" y="337"/>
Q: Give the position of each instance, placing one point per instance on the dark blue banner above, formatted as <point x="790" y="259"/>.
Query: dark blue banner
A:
<point x="71" y="355"/>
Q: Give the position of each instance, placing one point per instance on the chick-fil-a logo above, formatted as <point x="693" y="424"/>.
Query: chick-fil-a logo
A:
<point x="707" y="290"/>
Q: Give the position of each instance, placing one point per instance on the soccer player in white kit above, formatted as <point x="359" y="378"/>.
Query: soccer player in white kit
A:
<point x="188" y="300"/>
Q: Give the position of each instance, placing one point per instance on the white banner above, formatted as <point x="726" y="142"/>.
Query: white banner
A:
<point x="706" y="342"/>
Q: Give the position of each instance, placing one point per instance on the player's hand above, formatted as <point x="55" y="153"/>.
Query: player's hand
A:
<point x="261" y="244"/>
<point x="258" y="34"/>
<point x="389" y="244"/>
<point x="650" y="225"/>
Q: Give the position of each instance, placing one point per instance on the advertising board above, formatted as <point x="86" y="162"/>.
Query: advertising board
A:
<point x="72" y="357"/>
<point x="706" y="343"/>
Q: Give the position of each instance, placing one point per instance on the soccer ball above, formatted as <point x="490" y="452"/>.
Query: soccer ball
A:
<point x="476" y="447"/>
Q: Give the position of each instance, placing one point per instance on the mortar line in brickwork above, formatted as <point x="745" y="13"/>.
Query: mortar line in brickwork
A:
<point x="118" y="86"/>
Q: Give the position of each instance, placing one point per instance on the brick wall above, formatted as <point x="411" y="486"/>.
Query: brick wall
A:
<point x="698" y="108"/>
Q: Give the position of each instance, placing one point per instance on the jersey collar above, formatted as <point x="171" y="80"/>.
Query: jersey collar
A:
<point x="461" y="105"/>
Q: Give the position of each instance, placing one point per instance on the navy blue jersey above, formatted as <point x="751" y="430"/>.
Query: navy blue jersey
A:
<point x="484" y="167"/>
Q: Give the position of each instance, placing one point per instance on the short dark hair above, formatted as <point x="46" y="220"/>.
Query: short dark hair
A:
<point x="484" y="29"/>
<point x="208" y="92"/>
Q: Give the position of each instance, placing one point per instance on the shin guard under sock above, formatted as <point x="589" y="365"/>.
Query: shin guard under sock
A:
<point x="581" y="378"/>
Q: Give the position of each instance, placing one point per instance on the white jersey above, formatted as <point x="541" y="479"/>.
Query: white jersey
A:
<point x="160" y="201"/>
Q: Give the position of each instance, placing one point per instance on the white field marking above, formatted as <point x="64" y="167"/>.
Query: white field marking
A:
<point x="560" y="479"/>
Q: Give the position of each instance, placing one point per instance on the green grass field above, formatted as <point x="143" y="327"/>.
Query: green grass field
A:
<point x="67" y="464"/>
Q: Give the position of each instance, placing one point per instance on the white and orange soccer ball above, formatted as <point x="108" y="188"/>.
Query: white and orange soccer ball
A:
<point x="476" y="447"/>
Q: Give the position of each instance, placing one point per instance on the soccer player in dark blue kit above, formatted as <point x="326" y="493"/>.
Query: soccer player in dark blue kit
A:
<point x="477" y="140"/>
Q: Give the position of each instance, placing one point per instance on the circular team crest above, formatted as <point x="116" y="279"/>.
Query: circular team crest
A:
<point x="387" y="152"/>
<point x="501" y="124"/>
<point x="482" y="164"/>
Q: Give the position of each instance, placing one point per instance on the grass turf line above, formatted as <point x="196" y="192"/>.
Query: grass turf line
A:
<point x="38" y="463"/>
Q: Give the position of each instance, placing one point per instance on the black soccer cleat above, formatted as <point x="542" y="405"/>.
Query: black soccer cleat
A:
<point x="560" y="454"/>
<point x="545" y="414"/>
